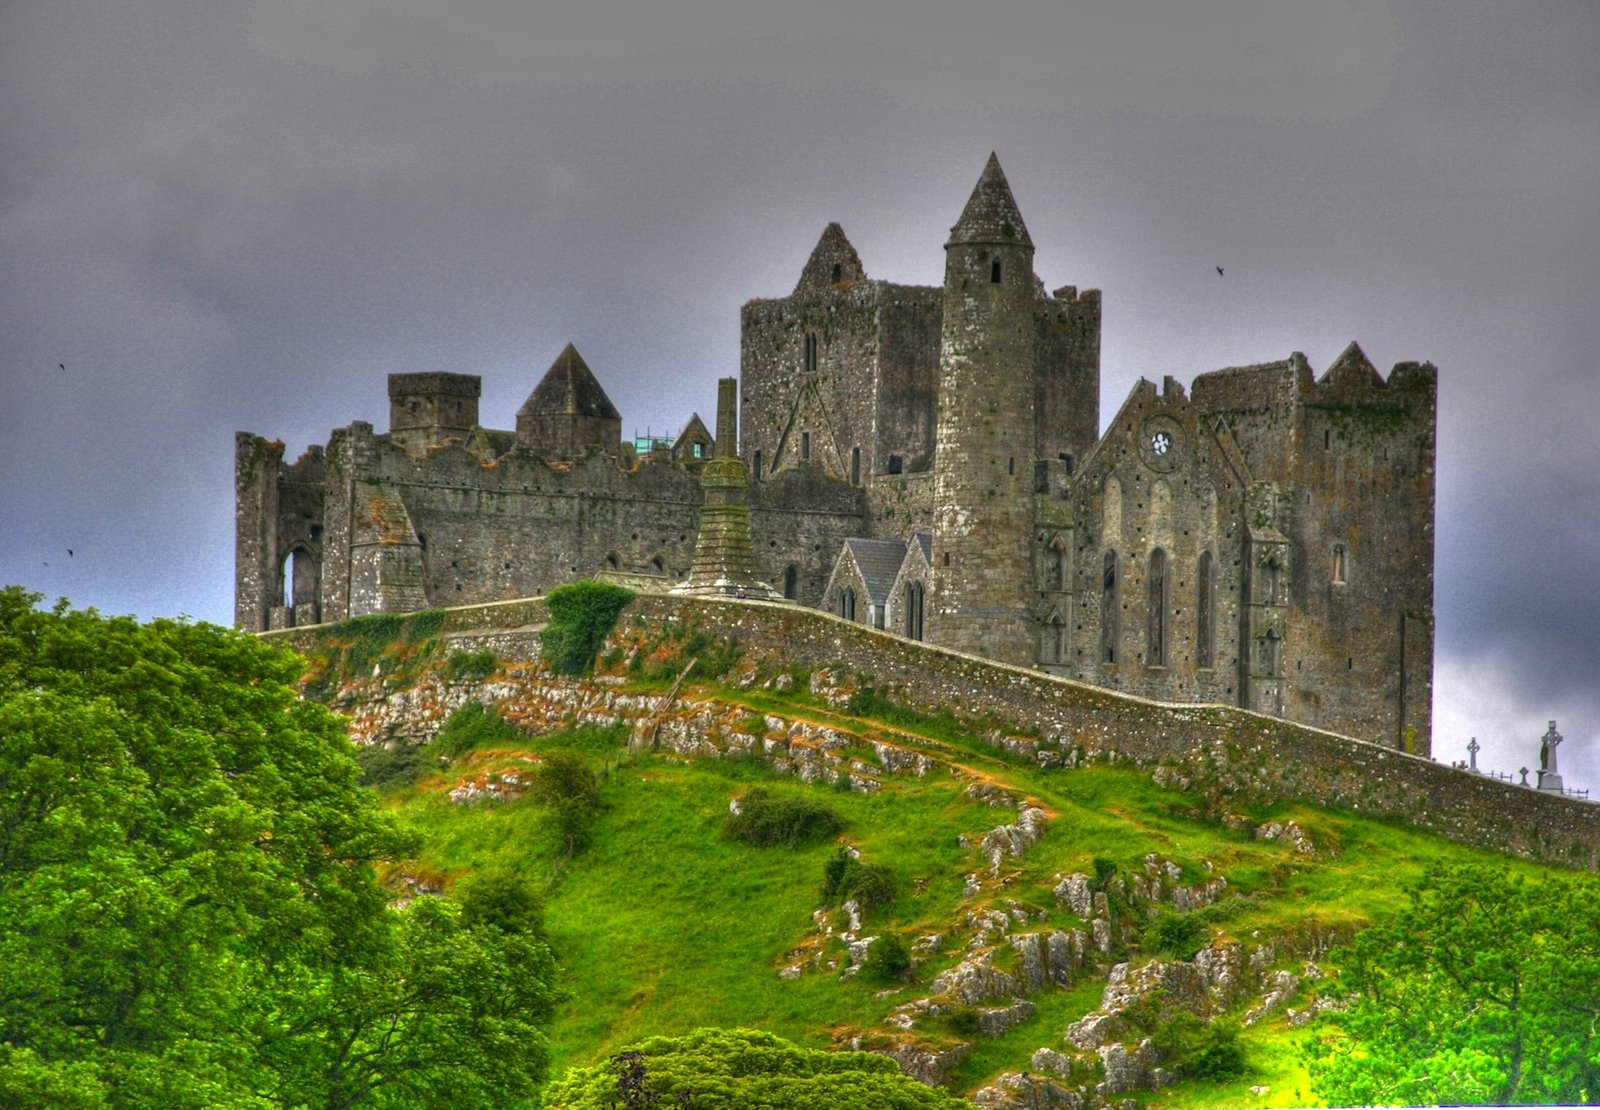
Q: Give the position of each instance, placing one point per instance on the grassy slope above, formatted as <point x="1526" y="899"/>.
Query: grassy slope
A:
<point x="663" y="925"/>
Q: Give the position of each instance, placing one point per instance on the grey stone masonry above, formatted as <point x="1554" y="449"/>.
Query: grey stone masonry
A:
<point x="1262" y="539"/>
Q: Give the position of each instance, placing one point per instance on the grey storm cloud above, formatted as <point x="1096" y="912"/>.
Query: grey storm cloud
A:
<point x="224" y="216"/>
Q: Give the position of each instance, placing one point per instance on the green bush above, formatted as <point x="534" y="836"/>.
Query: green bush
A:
<point x="845" y="877"/>
<point x="1199" y="1050"/>
<point x="582" y="615"/>
<point x="769" y="821"/>
<point x="473" y="726"/>
<point x="462" y="666"/>
<point x="1178" y="935"/>
<point x="888" y="960"/>
<point x="387" y="768"/>
<point x="736" y="1069"/>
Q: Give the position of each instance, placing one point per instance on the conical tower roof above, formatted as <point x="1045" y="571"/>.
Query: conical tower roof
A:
<point x="569" y="388"/>
<point x="991" y="215"/>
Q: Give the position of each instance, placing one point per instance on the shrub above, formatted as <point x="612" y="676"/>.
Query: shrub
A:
<point x="1199" y="1050"/>
<point x="387" y="768"/>
<point x="1178" y="935"/>
<point x="870" y="884"/>
<point x="888" y="959"/>
<point x="464" y="666"/>
<point x="567" y="786"/>
<point x="768" y="821"/>
<point x="582" y="615"/>
<point x="1103" y="870"/>
<point x="473" y="726"/>
<point x="501" y="900"/>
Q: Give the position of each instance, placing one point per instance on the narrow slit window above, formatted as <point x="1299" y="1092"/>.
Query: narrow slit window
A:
<point x="995" y="272"/>
<point x="1156" y="650"/>
<point x="805" y="445"/>
<point x="1108" y="609"/>
<point x="1205" y="613"/>
<point x="1338" y="564"/>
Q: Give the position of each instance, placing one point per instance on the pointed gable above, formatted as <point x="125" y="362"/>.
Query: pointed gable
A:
<point x="568" y="413"/>
<point x="1351" y="372"/>
<point x="569" y="388"/>
<point x="693" y="433"/>
<point x="991" y="214"/>
<point x="832" y="261"/>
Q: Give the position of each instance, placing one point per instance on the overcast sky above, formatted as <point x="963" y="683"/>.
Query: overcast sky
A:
<point x="225" y="216"/>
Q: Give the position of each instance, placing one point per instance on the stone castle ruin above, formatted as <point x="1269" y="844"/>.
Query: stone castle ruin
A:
<point x="925" y="460"/>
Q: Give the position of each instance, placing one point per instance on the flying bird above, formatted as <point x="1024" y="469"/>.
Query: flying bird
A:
<point x="69" y="552"/>
<point x="62" y="365"/>
<point x="1219" y="271"/>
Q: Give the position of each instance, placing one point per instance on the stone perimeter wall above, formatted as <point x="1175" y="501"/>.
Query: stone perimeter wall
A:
<point x="1190" y="746"/>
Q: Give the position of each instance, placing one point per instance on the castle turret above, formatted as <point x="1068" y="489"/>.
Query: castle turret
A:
<point x="426" y="409"/>
<point x="983" y="466"/>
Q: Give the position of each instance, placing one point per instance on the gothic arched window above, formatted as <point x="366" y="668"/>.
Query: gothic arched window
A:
<point x="1109" y="625"/>
<point x="1053" y="640"/>
<point x="1205" y="612"/>
<point x="1338" y="564"/>
<point x="1271" y="574"/>
<point x="1156" y="649"/>
<point x="914" y="610"/>
<point x="791" y="580"/>
<point x="994" y="272"/>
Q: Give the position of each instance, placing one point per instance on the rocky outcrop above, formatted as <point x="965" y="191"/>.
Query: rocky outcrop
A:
<point x="926" y="1064"/>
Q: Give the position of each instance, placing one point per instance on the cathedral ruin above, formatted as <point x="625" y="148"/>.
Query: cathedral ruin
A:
<point x="926" y="460"/>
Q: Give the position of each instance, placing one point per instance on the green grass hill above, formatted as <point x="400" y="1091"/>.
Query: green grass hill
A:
<point x="732" y="843"/>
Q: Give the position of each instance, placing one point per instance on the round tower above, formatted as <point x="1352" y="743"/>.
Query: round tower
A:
<point x="983" y="462"/>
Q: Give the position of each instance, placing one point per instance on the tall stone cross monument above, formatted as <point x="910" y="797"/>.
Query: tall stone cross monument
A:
<point x="1548" y="778"/>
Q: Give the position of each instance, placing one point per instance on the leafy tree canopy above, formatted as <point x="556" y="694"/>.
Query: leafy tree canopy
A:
<point x="191" y="911"/>
<point x="740" y="1069"/>
<point x="1484" y="989"/>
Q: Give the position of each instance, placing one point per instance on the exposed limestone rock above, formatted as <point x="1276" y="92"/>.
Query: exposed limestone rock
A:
<point x="1013" y="840"/>
<point x="1048" y="1059"/>
<point x="976" y="980"/>
<point x="925" y="1064"/>
<point x="989" y="794"/>
<point x="1027" y="1092"/>
<point x="1075" y="893"/>
<point x="1281" y="988"/>
<point x="1101" y="928"/>
<point x="1126" y="1070"/>
<point x="1290" y="833"/>
<point x="993" y="1022"/>
<point x="1049" y="959"/>
<point x="487" y="787"/>
<point x="899" y="761"/>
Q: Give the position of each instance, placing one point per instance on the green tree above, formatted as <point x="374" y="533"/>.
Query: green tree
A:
<point x="187" y="885"/>
<point x="568" y="788"/>
<point x="734" y="1069"/>
<point x="1485" y="988"/>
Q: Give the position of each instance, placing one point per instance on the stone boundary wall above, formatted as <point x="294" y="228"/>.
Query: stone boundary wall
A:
<point x="1194" y="746"/>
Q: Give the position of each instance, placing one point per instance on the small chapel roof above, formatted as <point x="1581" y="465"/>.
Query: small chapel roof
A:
<point x="879" y="563"/>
